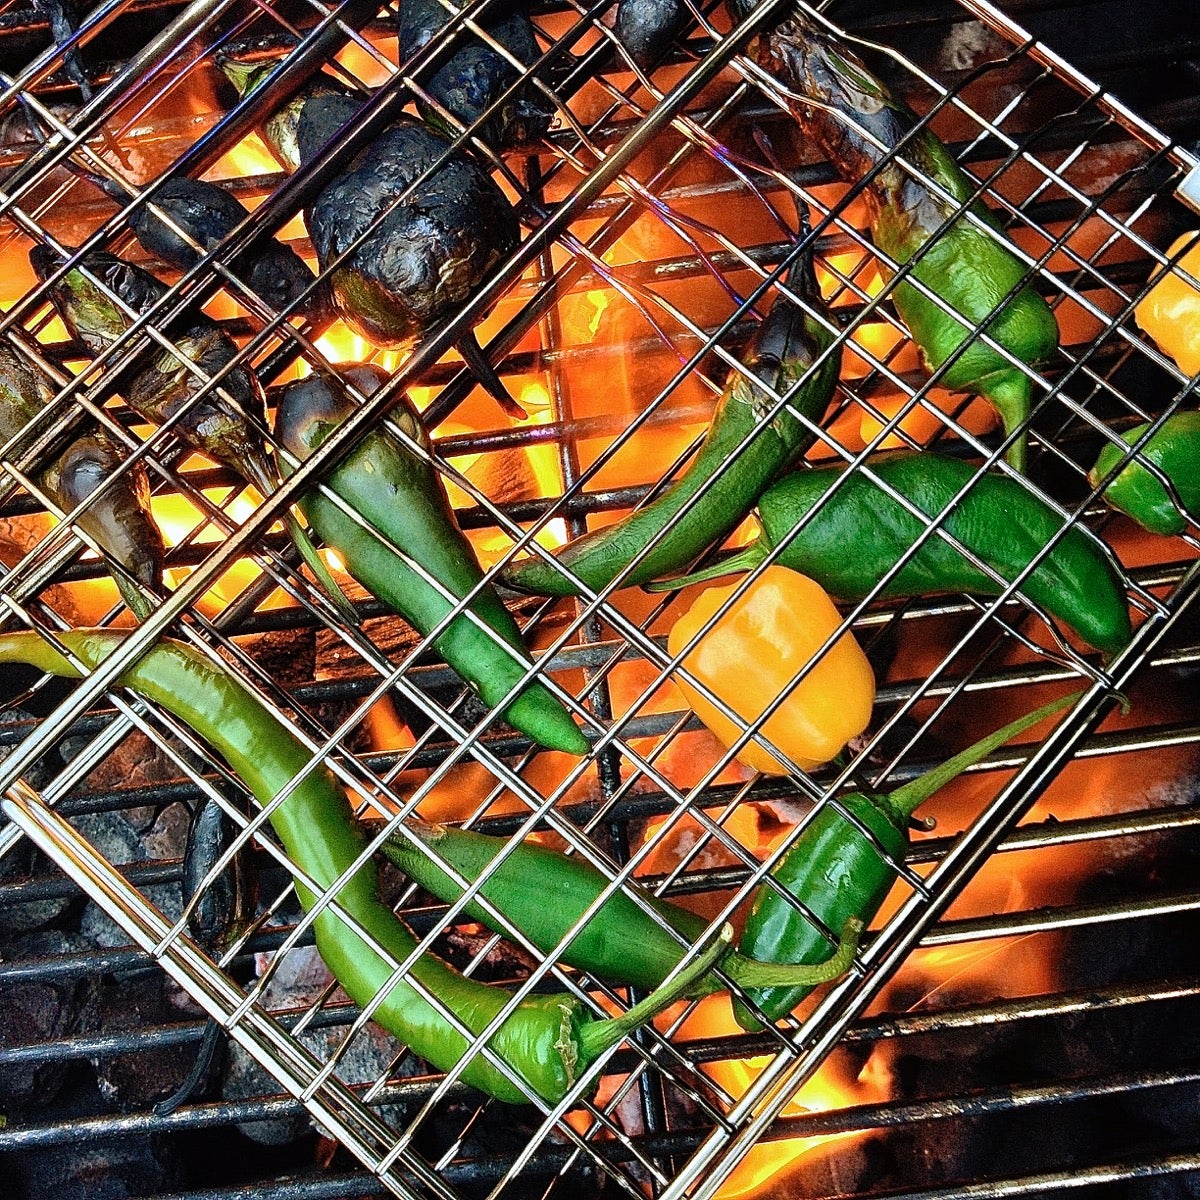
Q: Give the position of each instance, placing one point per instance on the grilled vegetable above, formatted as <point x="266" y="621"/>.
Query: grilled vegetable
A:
<point x="544" y="894"/>
<point x="645" y="28"/>
<point x="548" y="1041"/>
<point x="854" y="120"/>
<point x="472" y="76"/>
<point x="405" y="519"/>
<point x="725" y="478"/>
<point x="415" y="246"/>
<point x="195" y="211"/>
<point x="119" y="521"/>
<point x="817" y="515"/>
<point x="1140" y="492"/>
<point x="755" y="654"/>
<point x="223" y="906"/>
<point x="63" y="22"/>
<point x="164" y="385"/>
<point x="841" y="867"/>
<point x="1170" y="310"/>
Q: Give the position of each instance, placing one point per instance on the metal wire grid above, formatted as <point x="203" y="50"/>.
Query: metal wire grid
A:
<point x="700" y="109"/>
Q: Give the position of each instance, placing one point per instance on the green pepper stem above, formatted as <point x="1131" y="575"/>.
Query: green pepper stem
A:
<point x="1011" y="395"/>
<point x="905" y="800"/>
<point x="132" y="595"/>
<point x="750" y="973"/>
<point x="742" y="560"/>
<point x="598" y="1036"/>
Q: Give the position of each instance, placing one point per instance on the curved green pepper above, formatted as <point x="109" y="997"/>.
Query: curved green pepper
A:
<point x="549" y="1040"/>
<point x="998" y="520"/>
<point x="838" y="870"/>
<point x="1139" y="492"/>
<point x="859" y="126"/>
<point x="407" y="514"/>
<point x="784" y="349"/>
<point x="544" y="894"/>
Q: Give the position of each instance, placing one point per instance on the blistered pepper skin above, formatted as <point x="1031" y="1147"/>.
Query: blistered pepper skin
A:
<point x="815" y="515"/>
<point x="964" y="260"/>
<point x="403" y="512"/>
<point x="755" y="652"/>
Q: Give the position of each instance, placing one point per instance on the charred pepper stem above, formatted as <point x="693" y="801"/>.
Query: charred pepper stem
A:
<point x="544" y="894"/>
<point x="844" y="866"/>
<point x="405" y="513"/>
<point x="860" y="127"/>
<point x="785" y="350"/>
<point x="548" y="1040"/>
<point x="998" y="519"/>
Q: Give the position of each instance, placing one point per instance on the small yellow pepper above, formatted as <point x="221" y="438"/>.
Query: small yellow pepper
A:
<point x="754" y="653"/>
<point x="1170" y="312"/>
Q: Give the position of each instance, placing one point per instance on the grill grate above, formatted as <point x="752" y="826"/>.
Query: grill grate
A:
<point x="650" y="199"/>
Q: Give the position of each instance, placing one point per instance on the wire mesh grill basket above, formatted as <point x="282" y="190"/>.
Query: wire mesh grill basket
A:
<point x="658" y="226"/>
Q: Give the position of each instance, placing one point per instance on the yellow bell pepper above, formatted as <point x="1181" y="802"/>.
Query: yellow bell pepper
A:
<point x="754" y="653"/>
<point x="1170" y="312"/>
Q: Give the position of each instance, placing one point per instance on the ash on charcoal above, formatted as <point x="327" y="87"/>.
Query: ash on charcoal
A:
<point x="35" y="1012"/>
<point x="136" y="762"/>
<point x="120" y="842"/>
<point x="139" y="1079"/>
<point x="289" y="656"/>
<point x="301" y="979"/>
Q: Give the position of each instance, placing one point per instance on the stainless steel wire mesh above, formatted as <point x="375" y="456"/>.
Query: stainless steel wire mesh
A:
<point x="657" y="231"/>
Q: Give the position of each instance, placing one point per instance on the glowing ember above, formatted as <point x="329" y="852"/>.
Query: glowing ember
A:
<point x="832" y="1087"/>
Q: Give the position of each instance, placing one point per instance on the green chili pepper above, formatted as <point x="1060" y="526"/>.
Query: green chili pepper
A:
<point x="406" y="514"/>
<point x="785" y="347"/>
<point x="998" y="520"/>
<point x="543" y="894"/>
<point x="853" y="119"/>
<point x="837" y="871"/>
<point x="548" y="1040"/>
<point x="1139" y="493"/>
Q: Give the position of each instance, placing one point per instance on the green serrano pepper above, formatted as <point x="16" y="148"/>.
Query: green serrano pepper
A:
<point x="850" y="115"/>
<point x="1139" y="492"/>
<point x="785" y="348"/>
<point x="999" y="520"/>
<point x="843" y="866"/>
<point x="544" y="894"/>
<point x="406" y="515"/>
<point x="548" y="1040"/>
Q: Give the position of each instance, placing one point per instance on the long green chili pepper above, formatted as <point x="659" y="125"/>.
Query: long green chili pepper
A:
<point x="548" y="1040"/>
<point x="837" y="871"/>
<point x="850" y="115"/>
<point x="999" y="520"/>
<point x="783" y="351"/>
<point x="120" y="520"/>
<point x="406" y="513"/>
<point x="543" y="894"/>
<point x="1139" y="493"/>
